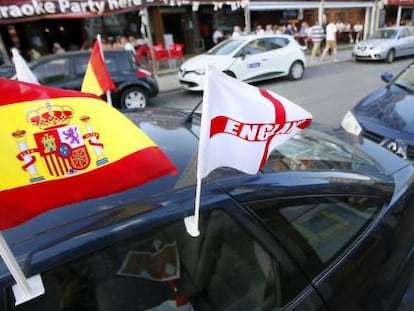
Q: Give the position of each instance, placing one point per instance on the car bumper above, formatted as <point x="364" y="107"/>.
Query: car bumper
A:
<point x="369" y="55"/>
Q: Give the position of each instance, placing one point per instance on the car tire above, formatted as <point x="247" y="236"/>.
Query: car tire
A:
<point x="390" y="56"/>
<point x="355" y="58"/>
<point x="133" y="97"/>
<point x="296" y="70"/>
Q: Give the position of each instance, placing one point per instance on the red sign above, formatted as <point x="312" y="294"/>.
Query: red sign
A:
<point x="13" y="11"/>
<point x="400" y="2"/>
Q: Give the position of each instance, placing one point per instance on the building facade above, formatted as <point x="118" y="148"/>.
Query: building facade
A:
<point x="72" y="22"/>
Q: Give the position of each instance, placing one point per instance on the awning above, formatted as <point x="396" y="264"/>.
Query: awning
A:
<point x="290" y="5"/>
<point x="16" y="11"/>
<point x="399" y="2"/>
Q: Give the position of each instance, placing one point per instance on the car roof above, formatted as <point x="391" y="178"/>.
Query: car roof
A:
<point x="177" y="133"/>
<point x="76" y="53"/>
<point x="254" y="36"/>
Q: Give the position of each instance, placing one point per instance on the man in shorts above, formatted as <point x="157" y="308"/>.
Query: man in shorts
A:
<point x="330" y="42"/>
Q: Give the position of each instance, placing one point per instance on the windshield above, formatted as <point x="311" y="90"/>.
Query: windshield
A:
<point x="314" y="150"/>
<point x="226" y="47"/>
<point x="384" y="34"/>
<point x="406" y="79"/>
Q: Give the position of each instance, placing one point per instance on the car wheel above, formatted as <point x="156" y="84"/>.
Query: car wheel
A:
<point x="296" y="70"/>
<point x="134" y="97"/>
<point x="390" y="56"/>
<point x="355" y="58"/>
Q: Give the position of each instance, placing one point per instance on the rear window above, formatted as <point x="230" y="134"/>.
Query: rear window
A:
<point x="119" y="62"/>
<point x="314" y="150"/>
<point x="115" y="62"/>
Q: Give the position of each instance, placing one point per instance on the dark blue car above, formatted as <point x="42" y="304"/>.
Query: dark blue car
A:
<point x="134" y="84"/>
<point x="386" y="116"/>
<point x="327" y="225"/>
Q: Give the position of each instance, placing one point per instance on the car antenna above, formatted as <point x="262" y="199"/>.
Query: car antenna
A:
<point x="190" y="116"/>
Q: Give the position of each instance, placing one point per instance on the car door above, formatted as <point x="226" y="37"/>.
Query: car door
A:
<point x="155" y="264"/>
<point x="252" y="61"/>
<point x="333" y="237"/>
<point x="410" y="39"/>
<point x="280" y="55"/>
<point x="404" y="43"/>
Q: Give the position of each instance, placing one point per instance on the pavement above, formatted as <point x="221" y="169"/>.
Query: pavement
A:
<point x="167" y="74"/>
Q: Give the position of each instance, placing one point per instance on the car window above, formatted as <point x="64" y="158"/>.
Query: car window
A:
<point x="406" y="79"/>
<point x="57" y="70"/>
<point x="223" y="269"/>
<point x="310" y="150"/>
<point x="276" y="43"/>
<point x="384" y="34"/>
<point x="316" y="230"/>
<point x="81" y="62"/>
<point x="120" y="62"/>
<point x="255" y="47"/>
<point x="226" y="47"/>
<point x="403" y="33"/>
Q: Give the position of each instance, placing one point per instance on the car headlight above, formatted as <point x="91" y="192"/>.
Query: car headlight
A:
<point x="200" y="71"/>
<point x="350" y="124"/>
<point x="378" y="48"/>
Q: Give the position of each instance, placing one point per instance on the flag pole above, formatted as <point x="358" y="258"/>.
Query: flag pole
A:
<point x="108" y="92"/>
<point x="24" y="289"/>
<point x="191" y="222"/>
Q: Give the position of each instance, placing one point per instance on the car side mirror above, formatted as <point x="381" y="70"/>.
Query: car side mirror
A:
<point x="387" y="77"/>
<point x="242" y="54"/>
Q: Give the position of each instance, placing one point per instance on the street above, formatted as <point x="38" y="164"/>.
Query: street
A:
<point x="327" y="90"/>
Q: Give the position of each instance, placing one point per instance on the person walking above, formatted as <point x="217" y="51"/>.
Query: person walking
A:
<point x="330" y="42"/>
<point x="317" y="35"/>
<point x="358" y="31"/>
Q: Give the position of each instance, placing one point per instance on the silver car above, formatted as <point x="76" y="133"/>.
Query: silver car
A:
<point x="386" y="44"/>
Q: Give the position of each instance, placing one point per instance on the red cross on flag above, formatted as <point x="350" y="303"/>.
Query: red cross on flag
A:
<point x="241" y="124"/>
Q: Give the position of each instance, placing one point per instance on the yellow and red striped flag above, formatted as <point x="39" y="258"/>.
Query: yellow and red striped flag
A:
<point x="97" y="79"/>
<point x="58" y="147"/>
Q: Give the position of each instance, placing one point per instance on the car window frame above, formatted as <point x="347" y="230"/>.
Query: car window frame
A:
<point x="289" y="242"/>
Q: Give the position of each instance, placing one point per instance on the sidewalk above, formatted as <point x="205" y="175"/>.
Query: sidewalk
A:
<point x="168" y="77"/>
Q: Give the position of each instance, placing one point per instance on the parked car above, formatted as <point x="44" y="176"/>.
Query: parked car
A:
<point x="386" y="44"/>
<point x="385" y="116"/>
<point x="326" y="225"/>
<point x="134" y="84"/>
<point x="249" y="58"/>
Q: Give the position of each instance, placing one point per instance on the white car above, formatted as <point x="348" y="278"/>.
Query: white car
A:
<point x="248" y="58"/>
<point x="386" y="44"/>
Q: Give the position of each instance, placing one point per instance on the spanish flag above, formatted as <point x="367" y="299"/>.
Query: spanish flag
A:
<point x="59" y="147"/>
<point x="97" y="79"/>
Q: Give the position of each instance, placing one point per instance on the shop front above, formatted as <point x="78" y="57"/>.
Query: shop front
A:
<point x="283" y="12"/>
<point x="399" y="12"/>
<point x="38" y="24"/>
